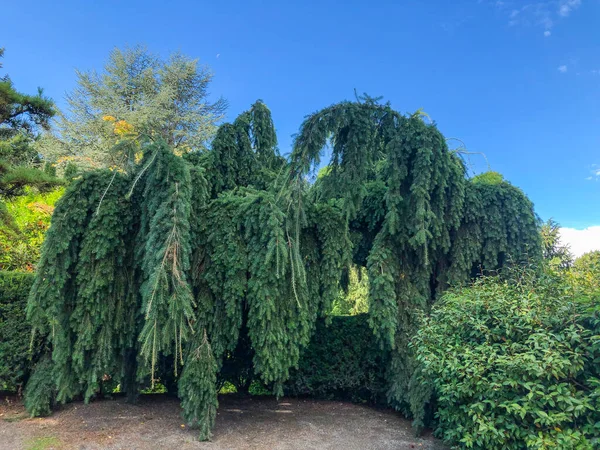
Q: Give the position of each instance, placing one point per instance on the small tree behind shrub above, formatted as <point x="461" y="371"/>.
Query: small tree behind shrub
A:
<point x="514" y="364"/>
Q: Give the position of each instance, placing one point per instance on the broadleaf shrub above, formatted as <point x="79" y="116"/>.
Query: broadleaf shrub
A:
<point x="342" y="361"/>
<point x="514" y="364"/>
<point x="15" y="332"/>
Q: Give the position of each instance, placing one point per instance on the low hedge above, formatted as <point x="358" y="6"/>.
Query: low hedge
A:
<point x="342" y="361"/>
<point x="15" y="333"/>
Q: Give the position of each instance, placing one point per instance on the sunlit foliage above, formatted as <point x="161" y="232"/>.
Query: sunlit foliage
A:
<point x="30" y="219"/>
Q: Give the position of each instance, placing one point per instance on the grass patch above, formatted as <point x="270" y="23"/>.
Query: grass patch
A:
<point x="43" y="443"/>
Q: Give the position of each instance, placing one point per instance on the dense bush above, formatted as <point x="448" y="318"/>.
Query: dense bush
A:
<point x="15" y="333"/>
<point x="514" y="364"/>
<point x="343" y="360"/>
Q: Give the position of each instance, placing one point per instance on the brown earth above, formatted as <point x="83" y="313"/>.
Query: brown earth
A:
<point x="258" y="423"/>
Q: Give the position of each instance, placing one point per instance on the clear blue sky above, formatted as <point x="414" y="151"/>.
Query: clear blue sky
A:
<point x="517" y="80"/>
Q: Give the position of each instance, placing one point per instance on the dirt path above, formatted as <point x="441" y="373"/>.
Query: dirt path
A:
<point x="242" y="423"/>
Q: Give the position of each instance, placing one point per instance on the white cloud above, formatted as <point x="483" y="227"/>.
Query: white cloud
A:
<point x="566" y="6"/>
<point x="595" y="173"/>
<point x="539" y="13"/>
<point x="562" y="69"/>
<point x="581" y="241"/>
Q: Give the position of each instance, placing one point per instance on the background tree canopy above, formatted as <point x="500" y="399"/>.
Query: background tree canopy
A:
<point x="187" y="254"/>
<point x="136" y="94"/>
<point x="554" y="251"/>
<point x="21" y="112"/>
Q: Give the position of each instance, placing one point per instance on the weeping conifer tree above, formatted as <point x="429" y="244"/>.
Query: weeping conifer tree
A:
<point x="188" y="256"/>
<point x="422" y="225"/>
<point x="82" y="297"/>
<point x="164" y="252"/>
<point x="249" y="270"/>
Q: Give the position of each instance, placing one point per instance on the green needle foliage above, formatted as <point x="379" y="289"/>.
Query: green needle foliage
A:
<point x="22" y="113"/>
<point x="186" y="257"/>
<point x="40" y="391"/>
<point x="81" y="293"/>
<point x="103" y="314"/>
<point x="136" y="93"/>
<point x="196" y="388"/>
<point x="167" y="301"/>
<point x="244" y="153"/>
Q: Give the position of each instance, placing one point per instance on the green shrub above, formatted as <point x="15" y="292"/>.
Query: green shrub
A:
<point x="342" y="361"/>
<point x="15" y="333"/>
<point x="514" y="364"/>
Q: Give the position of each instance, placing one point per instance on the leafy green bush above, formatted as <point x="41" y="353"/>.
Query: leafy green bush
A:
<point x="514" y="364"/>
<point x="343" y="360"/>
<point x="15" y="333"/>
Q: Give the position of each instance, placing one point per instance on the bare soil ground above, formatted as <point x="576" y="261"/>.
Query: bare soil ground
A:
<point x="259" y="423"/>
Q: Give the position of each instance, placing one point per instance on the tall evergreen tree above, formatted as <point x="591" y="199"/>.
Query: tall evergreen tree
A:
<point x="555" y="252"/>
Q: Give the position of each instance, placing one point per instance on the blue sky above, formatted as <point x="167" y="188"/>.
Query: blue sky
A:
<point x="516" y="80"/>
